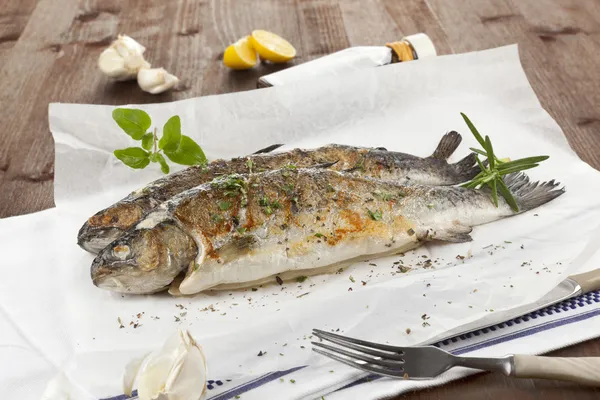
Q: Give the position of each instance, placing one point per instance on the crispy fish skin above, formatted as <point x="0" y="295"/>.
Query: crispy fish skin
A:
<point x="248" y="228"/>
<point x="112" y="222"/>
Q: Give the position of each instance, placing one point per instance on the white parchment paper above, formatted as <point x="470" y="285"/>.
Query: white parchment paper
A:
<point x="53" y="319"/>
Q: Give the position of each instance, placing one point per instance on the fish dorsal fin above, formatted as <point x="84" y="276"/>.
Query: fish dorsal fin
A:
<point x="268" y="149"/>
<point x="447" y="146"/>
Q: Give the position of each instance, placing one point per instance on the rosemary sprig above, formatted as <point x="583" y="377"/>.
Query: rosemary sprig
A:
<point x="491" y="175"/>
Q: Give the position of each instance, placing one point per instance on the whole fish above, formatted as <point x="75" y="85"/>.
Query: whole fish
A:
<point x="112" y="222"/>
<point x="245" y="230"/>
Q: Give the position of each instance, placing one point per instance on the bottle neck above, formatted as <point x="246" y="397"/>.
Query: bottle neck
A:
<point x="402" y="51"/>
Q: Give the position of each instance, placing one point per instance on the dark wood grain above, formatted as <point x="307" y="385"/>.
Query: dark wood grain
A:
<point x="49" y="49"/>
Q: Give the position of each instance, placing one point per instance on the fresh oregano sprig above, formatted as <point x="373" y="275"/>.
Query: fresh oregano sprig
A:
<point x="178" y="148"/>
<point x="491" y="175"/>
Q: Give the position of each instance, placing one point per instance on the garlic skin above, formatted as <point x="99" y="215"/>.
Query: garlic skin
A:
<point x="175" y="372"/>
<point x="123" y="59"/>
<point x="155" y="80"/>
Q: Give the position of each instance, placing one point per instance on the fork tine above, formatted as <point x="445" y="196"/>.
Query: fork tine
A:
<point x="352" y="355"/>
<point x="365" y="367"/>
<point x="351" y="345"/>
<point x="359" y="341"/>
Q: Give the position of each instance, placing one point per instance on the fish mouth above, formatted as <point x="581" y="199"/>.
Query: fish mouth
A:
<point x="93" y="239"/>
<point x="106" y="277"/>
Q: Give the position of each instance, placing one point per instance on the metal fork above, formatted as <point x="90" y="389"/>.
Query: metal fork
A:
<point x="425" y="362"/>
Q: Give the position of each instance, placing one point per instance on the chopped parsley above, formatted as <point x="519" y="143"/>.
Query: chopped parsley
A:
<point x="241" y="230"/>
<point x="330" y="188"/>
<point x="233" y="185"/>
<point x="224" y="205"/>
<point x="268" y="206"/>
<point x="216" y="218"/>
<point x="384" y="196"/>
<point x="250" y="165"/>
<point x="375" y="215"/>
<point x="301" y="279"/>
<point x="319" y="235"/>
<point x="351" y="278"/>
<point x="288" y="188"/>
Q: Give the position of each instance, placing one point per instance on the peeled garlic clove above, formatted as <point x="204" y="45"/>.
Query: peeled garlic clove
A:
<point x="123" y="59"/>
<point x="189" y="373"/>
<point x="131" y="371"/>
<point x="175" y="372"/>
<point x="155" y="80"/>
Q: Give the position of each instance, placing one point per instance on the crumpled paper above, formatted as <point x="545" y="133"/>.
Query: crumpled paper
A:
<point x="54" y="322"/>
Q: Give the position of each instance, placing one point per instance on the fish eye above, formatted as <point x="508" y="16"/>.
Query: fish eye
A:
<point x="121" y="251"/>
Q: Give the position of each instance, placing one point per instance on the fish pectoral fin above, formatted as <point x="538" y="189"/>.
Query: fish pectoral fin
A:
<point x="236" y="247"/>
<point x="453" y="234"/>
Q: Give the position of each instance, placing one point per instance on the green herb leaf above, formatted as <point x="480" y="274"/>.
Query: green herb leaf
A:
<point x="474" y="130"/>
<point x="164" y="167"/>
<point x="375" y="215"/>
<point x="301" y="279"/>
<point x="241" y="230"/>
<point x="224" y="205"/>
<point x="250" y="164"/>
<point x="148" y="141"/>
<point x="492" y="185"/>
<point x="319" y="235"/>
<point x="490" y="151"/>
<point x="521" y="162"/>
<point x="492" y="175"/>
<point x="505" y="192"/>
<point x="480" y="152"/>
<point x="188" y="153"/>
<point x="134" y="157"/>
<point x="517" y="169"/>
<point x="134" y="122"/>
<point x="171" y="137"/>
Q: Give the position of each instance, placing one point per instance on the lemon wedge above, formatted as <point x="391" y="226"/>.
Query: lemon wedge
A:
<point x="240" y="55"/>
<point x="272" y="47"/>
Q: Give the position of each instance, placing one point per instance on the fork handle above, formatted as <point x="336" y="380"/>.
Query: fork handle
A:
<point x="584" y="370"/>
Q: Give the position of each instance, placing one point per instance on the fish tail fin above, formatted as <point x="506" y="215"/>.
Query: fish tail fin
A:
<point x="467" y="168"/>
<point x="447" y="146"/>
<point x="530" y="195"/>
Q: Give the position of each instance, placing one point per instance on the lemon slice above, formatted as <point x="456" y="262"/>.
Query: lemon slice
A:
<point x="272" y="47"/>
<point x="240" y="55"/>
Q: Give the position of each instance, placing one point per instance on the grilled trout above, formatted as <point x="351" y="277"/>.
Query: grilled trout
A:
<point x="112" y="222"/>
<point x="243" y="230"/>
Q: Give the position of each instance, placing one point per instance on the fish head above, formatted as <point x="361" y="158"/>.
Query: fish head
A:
<point x="144" y="260"/>
<point x="108" y="225"/>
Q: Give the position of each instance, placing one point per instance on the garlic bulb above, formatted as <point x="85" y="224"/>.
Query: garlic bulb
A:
<point x="123" y="59"/>
<point x="175" y="372"/>
<point x="155" y="80"/>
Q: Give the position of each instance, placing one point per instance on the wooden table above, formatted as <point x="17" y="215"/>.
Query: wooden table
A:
<point x="49" y="48"/>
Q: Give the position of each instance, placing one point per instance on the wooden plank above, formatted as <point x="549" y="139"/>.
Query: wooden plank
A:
<point x="14" y="15"/>
<point x="414" y="16"/>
